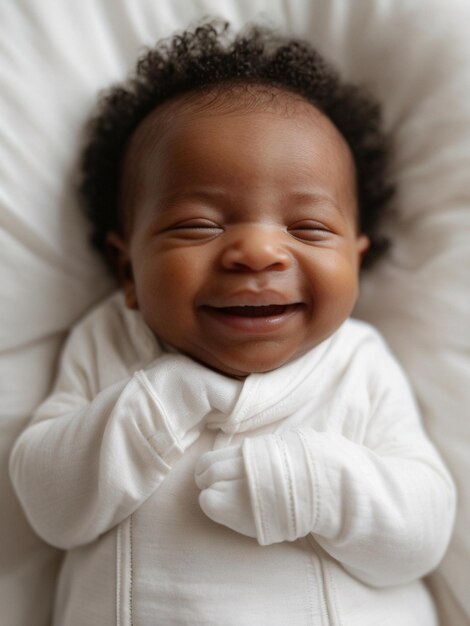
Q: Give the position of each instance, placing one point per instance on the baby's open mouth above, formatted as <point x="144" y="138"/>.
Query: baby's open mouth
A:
<point x="249" y="318"/>
<point x="267" y="310"/>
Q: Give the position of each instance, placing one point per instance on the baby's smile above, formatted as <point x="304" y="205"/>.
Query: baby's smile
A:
<point x="264" y="310"/>
<point x="264" y="318"/>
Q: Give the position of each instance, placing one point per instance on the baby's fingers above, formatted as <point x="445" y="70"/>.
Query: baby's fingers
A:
<point x="219" y="465"/>
<point x="213" y="502"/>
<point x="228" y="503"/>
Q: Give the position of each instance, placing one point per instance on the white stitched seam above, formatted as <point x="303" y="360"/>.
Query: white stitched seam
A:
<point x="149" y="443"/>
<point x="131" y="573"/>
<point x="312" y="577"/>
<point x="331" y="595"/>
<point x="264" y="527"/>
<point x="288" y="474"/>
<point x="313" y="480"/>
<point x="140" y="376"/>
<point x="118" y="575"/>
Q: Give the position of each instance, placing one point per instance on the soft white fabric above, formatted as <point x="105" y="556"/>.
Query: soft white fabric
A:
<point x="162" y="407"/>
<point x="327" y="451"/>
<point x="55" y="56"/>
<point x="195" y="394"/>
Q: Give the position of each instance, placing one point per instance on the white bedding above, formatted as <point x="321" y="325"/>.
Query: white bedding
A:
<point x="54" y="57"/>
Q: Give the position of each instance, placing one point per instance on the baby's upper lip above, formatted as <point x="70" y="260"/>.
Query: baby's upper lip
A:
<point x="251" y="298"/>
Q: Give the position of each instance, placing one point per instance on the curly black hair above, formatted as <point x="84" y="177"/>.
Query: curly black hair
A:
<point x="205" y="57"/>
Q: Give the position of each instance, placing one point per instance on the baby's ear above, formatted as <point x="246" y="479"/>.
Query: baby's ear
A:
<point x="362" y="245"/>
<point x="117" y="252"/>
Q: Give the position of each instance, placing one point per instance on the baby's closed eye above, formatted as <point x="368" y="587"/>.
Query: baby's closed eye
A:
<point x="199" y="228"/>
<point x="310" y="230"/>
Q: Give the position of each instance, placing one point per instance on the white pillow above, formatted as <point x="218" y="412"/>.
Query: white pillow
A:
<point x="56" y="56"/>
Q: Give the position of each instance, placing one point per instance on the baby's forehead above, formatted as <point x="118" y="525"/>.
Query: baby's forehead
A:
<point x="216" y="110"/>
<point x="223" y="102"/>
<point x="212" y="135"/>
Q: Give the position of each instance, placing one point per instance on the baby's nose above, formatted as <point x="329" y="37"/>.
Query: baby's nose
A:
<point x="256" y="249"/>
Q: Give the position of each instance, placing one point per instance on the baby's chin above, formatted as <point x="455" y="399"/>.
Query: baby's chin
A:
<point x="241" y="365"/>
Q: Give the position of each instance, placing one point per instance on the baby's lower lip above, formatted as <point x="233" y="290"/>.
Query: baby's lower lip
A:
<point x="256" y="319"/>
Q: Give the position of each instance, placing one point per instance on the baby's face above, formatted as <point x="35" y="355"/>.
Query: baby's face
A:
<point x="242" y="248"/>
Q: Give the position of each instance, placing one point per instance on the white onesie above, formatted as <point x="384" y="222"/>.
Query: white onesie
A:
<point x="310" y="497"/>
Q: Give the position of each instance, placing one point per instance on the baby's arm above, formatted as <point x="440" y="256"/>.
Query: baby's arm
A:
<point x="84" y="464"/>
<point x="384" y="509"/>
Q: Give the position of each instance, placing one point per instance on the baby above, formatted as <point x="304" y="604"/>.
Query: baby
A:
<point x="224" y="445"/>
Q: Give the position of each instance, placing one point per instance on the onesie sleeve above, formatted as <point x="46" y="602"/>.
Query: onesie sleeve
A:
<point x="384" y="507"/>
<point x="83" y="464"/>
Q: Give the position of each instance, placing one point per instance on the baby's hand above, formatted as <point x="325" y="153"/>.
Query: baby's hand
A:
<point x="225" y="497"/>
<point x="264" y="488"/>
<point x="188" y="393"/>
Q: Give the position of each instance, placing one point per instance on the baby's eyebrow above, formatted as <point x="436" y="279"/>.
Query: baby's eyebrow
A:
<point x="216" y="197"/>
<point x="317" y="197"/>
<point x="206" y="194"/>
